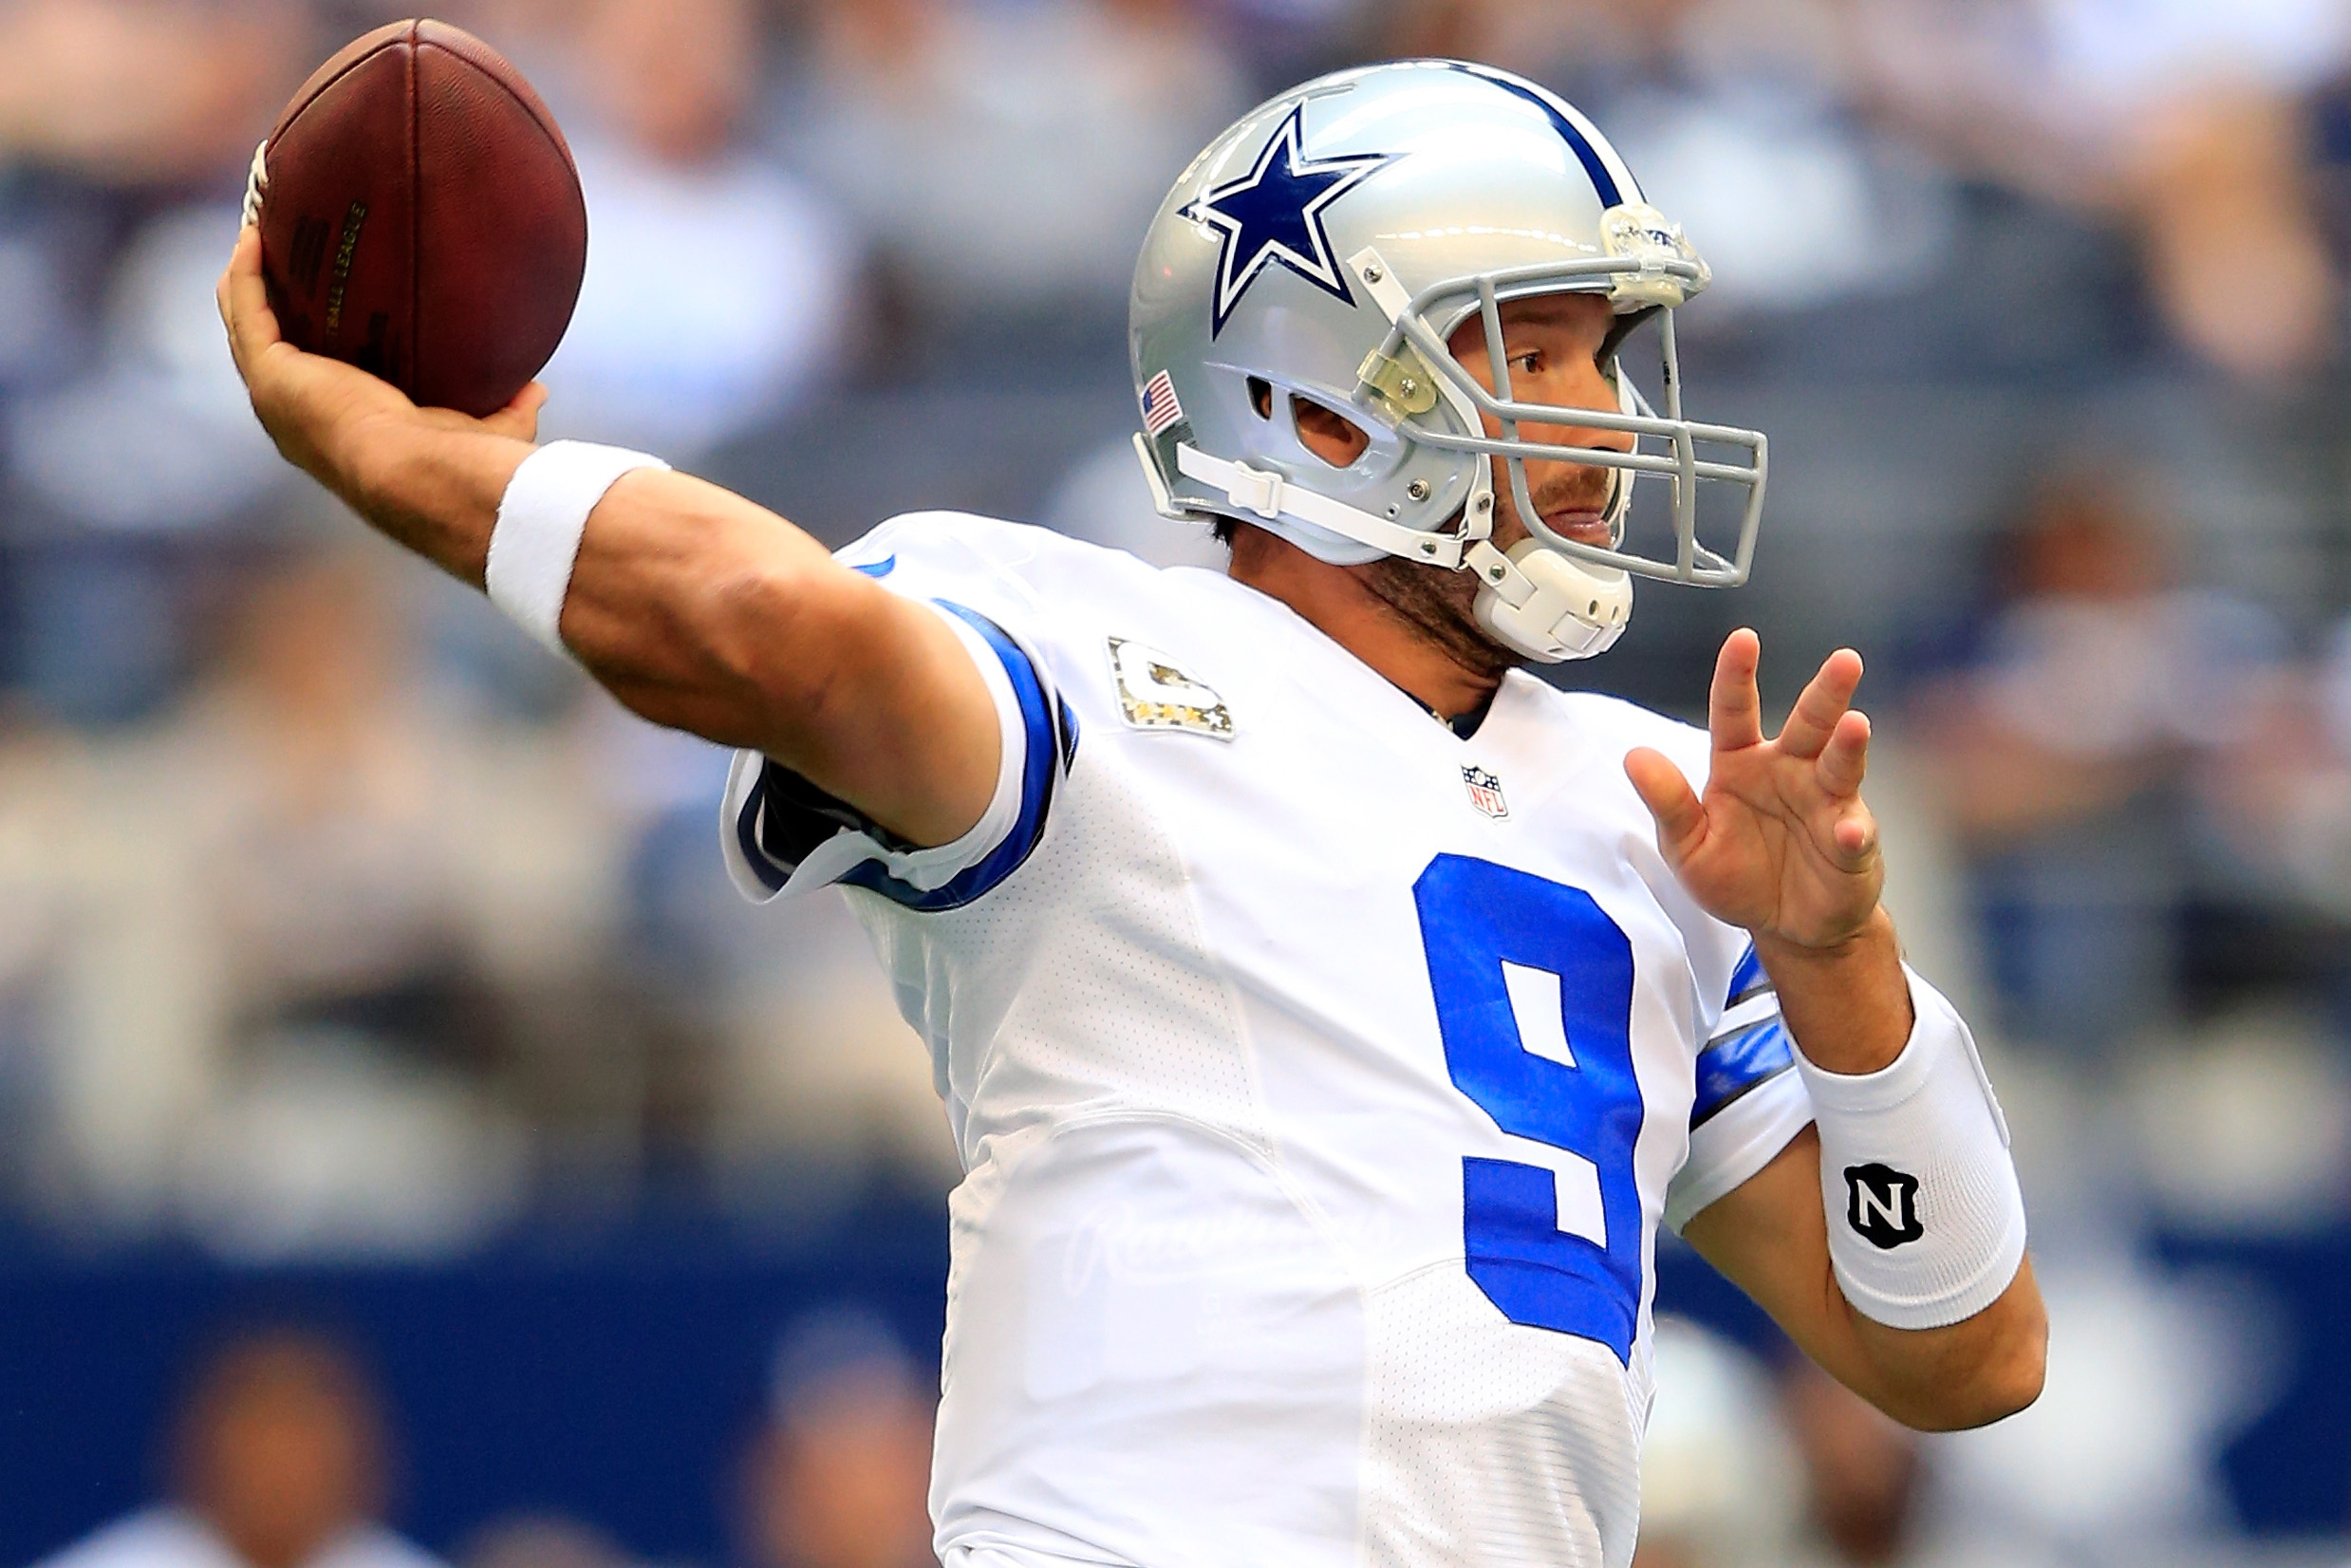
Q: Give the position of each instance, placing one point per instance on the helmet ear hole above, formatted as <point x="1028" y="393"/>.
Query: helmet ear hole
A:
<point x="1262" y="397"/>
<point x="1328" y="434"/>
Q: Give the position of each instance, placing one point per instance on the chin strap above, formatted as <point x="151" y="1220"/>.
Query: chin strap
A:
<point x="1547" y="606"/>
<point x="1269" y="496"/>
<point x="1536" y="601"/>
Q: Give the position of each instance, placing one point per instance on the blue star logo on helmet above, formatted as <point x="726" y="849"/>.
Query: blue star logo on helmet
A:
<point x="1274" y="214"/>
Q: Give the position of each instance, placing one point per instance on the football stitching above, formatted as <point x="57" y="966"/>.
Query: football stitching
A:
<point x="319" y="91"/>
<point x="540" y="115"/>
<point x="416" y="220"/>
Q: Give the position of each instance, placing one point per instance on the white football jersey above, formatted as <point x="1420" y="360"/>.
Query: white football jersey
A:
<point x="1321" y="1078"/>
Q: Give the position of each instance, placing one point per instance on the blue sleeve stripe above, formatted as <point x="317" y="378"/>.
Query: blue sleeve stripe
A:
<point x="1730" y="1067"/>
<point x="763" y="866"/>
<point x="1748" y="980"/>
<point x="1040" y="767"/>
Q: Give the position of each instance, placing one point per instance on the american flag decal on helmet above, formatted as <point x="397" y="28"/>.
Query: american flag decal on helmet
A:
<point x="1160" y="409"/>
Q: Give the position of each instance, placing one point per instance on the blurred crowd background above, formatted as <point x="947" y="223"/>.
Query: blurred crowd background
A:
<point x="412" y="1152"/>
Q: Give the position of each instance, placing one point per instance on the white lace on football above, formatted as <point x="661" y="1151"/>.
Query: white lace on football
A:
<point x="256" y="184"/>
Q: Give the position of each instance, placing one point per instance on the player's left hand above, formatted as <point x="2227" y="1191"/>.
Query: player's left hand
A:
<point x="1780" y="842"/>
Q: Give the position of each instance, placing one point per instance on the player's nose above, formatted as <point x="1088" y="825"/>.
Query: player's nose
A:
<point x="1584" y="435"/>
<point x="1591" y="387"/>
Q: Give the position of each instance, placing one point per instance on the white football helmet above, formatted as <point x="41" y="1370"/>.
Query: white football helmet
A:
<point x="1327" y="246"/>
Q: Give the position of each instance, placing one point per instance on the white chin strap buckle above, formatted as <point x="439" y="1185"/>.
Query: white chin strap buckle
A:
<point x="1547" y="606"/>
<point x="1256" y="490"/>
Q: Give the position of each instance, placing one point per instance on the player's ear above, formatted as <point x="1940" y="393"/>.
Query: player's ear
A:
<point x="1333" y="436"/>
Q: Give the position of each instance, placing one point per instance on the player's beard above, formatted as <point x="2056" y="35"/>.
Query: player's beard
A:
<point x="1442" y="605"/>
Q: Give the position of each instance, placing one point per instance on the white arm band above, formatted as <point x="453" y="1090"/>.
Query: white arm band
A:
<point x="540" y="520"/>
<point x="1926" y="1220"/>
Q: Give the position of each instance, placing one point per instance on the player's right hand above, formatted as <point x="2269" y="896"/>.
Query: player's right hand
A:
<point x="319" y="411"/>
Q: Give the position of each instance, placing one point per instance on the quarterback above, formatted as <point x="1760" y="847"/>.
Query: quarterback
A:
<point x="1328" y="1011"/>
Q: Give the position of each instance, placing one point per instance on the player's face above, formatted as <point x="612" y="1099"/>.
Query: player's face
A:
<point x="1552" y="344"/>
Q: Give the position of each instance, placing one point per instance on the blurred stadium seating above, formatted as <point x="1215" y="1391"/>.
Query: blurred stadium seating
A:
<point x="360" y="969"/>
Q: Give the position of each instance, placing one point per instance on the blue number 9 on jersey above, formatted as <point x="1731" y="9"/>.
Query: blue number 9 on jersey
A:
<point x="1534" y="992"/>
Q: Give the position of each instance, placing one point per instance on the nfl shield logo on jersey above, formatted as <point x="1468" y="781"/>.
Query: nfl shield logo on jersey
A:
<point x="1485" y="791"/>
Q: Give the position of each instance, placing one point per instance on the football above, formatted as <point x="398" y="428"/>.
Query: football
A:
<point x="422" y="218"/>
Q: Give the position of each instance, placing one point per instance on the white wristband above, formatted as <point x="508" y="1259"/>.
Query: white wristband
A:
<point x="1926" y="1220"/>
<point x="540" y="520"/>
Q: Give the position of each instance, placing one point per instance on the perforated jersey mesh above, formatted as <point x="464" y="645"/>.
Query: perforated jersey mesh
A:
<point x="1492" y="1444"/>
<point x="1093" y="961"/>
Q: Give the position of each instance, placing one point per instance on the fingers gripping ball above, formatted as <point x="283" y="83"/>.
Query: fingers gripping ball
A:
<point x="422" y="218"/>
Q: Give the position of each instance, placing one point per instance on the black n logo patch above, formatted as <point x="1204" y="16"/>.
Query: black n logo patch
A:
<point x="1881" y="1206"/>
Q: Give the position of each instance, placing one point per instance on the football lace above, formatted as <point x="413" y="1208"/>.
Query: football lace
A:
<point x="256" y="184"/>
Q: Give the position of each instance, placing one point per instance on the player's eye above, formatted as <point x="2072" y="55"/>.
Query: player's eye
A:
<point x="1527" y="362"/>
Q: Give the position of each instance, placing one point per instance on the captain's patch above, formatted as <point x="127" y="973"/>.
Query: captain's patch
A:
<point x="1155" y="693"/>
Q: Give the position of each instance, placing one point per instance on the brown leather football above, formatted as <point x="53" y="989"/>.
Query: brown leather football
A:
<point x="421" y="217"/>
